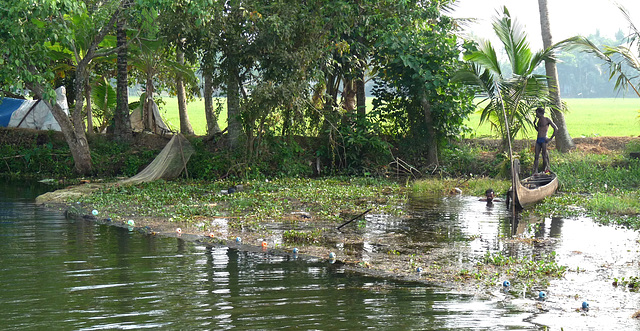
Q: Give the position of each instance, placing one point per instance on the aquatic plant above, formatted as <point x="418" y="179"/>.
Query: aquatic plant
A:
<point x="632" y="282"/>
<point x="302" y="237"/>
<point x="259" y="201"/>
<point x="528" y="271"/>
<point x="469" y="186"/>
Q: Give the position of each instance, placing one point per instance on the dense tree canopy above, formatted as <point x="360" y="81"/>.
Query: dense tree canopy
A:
<point x="286" y="67"/>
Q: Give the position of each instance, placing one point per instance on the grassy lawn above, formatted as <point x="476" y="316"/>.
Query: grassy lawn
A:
<point x="169" y="112"/>
<point x="609" y="117"/>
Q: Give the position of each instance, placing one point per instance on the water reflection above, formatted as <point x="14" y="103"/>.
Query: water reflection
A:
<point x="83" y="276"/>
<point x="79" y="275"/>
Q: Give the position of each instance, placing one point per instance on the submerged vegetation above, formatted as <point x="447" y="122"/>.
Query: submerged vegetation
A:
<point x="259" y="201"/>
<point x="524" y="272"/>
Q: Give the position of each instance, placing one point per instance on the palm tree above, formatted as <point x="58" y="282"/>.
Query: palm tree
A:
<point x="622" y="61"/>
<point x="509" y="95"/>
<point x="563" y="139"/>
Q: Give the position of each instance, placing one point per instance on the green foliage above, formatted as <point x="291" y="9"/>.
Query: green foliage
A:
<point x="603" y="187"/>
<point x="524" y="271"/>
<point x="356" y="146"/>
<point x="581" y="73"/>
<point x="622" y="59"/>
<point x="509" y="95"/>
<point x="475" y="186"/>
<point x="631" y="282"/>
<point x="632" y="147"/>
<point x="463" y="160"/>
<point x="302" y="237"/>
<point x="39" y="158"/>
<point x="582" y="173"/>
<point x="103" y="96"/>
<point x="260" y="200"/>
<point x="413" y="81"/>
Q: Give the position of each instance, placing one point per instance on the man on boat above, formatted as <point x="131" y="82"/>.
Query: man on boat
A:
<point x="541" y="124"/>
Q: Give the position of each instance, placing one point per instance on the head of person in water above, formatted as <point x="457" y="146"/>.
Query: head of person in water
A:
<point x="489" y="194"/>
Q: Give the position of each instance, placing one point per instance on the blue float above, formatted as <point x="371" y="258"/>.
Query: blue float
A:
<point x="419" y="269"/>
<point x="332" y="255"/>
<point x="585" y="305"/>
<point x="542" y="295"/>
<point x="295" y="251"/>
<point x="95" y="212"/>
<point x="506" y="283"/>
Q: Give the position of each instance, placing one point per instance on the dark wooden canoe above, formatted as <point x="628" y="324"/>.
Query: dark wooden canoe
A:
<point x="532" y="189"/>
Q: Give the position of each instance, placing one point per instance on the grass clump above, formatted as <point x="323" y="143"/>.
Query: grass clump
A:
<point x="472" y="186"/>
<point x="524" y="271"/>
<point x="301" y="237"/>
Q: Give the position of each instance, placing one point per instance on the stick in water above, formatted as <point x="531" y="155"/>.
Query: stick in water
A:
<point x="355" y="218"/>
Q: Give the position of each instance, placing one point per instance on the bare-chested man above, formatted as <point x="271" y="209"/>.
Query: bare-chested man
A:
<point x="541" y="123"/>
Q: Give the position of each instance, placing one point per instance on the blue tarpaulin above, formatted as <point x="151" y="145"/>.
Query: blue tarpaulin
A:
<point x="7" y="107"/>
<point x="31" y="114"/>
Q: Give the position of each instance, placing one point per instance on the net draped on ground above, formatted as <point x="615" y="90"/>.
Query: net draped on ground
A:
<point x="169" y="164"/>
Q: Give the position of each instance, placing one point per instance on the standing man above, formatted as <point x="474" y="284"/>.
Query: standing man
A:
<point x="541" y="124"/>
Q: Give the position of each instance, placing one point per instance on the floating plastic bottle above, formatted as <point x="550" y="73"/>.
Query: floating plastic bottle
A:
<point x="542" y="295"/>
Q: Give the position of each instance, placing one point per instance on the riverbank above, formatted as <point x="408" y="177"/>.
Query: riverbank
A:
<point x="318" y="219"/>
<point x="304" y="214"/>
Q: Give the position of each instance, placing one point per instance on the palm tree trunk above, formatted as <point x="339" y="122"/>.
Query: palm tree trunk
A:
<point x="122" y="123"/>
<point x="361" y="95"/>
<point x="564" y="143"/>
<point x="185" y="124"/>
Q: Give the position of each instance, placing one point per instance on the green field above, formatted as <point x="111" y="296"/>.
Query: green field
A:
<point x="605" y="117"/>
<point x="609" y="117"/>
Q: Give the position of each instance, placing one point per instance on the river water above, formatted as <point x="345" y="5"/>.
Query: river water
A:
<point x="78" y="275"/>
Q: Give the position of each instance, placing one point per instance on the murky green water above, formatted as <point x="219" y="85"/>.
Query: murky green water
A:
<point x="77" y="275"/>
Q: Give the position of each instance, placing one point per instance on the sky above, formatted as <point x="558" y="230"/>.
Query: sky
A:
<point x="567" y="17"/>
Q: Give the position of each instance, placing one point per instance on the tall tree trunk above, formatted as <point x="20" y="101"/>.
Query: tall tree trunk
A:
<point x="74" y="135"/>
<point x="361" y="95"/>
<point x="432" y="143"/>
<point x="87" y="92"/>
<point x="564" y="143"/>
<point x="122" y="123"/>
<point x="185" y="124"/>
<point x="234" y="127"/>
<point x="77" y="141"/>
<point x="212" y="119"/>
<point x="349" y="95"/>
<point x="147" y="110"/>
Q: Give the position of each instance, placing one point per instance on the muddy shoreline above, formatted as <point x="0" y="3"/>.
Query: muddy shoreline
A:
<point x="591" y="265"/>
<point x="395" y="261"/>
<point x="393" y="256"/>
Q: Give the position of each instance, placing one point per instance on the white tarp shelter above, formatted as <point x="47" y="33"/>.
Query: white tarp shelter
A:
<point x="137" y="125"/>
<point x="32" y="114"/>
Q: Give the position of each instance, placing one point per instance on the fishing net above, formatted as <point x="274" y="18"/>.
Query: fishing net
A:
<point x="168" y="164"/>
